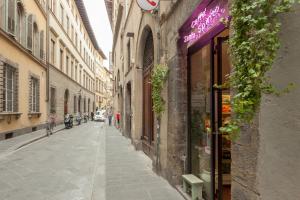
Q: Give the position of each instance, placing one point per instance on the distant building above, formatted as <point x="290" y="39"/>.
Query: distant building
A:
<point x="73" y="56"/>
<point x="47" y="63"/>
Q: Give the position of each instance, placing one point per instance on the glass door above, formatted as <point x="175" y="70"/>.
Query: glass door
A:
<point x="223" y="116"/>
<point x="209" y="153"/>
<point x="200" y="153"/>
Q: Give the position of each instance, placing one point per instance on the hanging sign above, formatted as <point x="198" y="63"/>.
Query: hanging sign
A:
<point x="148" y="5"/>
<point x="206" y="20"/>
<point x="207" y="17"/>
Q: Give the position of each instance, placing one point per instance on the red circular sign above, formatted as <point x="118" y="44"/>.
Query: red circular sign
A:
<point x="148" y="5"/>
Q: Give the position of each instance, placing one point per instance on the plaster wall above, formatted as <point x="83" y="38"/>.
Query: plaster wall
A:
<point x="26" y="65"/>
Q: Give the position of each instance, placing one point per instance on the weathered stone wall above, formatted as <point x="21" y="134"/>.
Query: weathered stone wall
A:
<point x="266" y="157"/>
<point x="176" y="58"/>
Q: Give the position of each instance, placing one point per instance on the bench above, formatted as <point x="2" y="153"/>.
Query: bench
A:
<point x="196" y="185"/>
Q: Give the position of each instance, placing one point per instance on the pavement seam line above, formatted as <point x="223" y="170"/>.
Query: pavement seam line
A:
<point x="95" y="168"/>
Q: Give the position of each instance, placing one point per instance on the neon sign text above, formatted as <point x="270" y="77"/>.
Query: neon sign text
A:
<point x="204" y="22"/>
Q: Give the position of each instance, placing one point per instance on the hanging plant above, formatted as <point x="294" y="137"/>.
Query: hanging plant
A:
<point x="254" y="43"/>
<point x="158" y="78"/>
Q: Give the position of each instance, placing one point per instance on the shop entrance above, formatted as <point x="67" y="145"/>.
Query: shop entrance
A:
<point x="209" y="109"/>
<point x="148" y="115"/>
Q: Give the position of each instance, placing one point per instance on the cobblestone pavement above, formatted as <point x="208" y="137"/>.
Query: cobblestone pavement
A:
<point x="89" y="162"/>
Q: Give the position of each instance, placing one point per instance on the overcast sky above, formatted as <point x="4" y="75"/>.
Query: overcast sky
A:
<point x="99" y="20"/>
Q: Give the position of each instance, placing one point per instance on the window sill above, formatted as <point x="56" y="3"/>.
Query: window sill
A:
<point x="9" y="115"/>
<point x="34" y="114"/>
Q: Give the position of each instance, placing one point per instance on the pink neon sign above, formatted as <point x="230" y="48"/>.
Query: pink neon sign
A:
<point x="205" y="21"/>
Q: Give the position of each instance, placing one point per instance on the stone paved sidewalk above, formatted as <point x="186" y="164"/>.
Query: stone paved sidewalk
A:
<point x="16" y="142"/>
<point x="129" y="174"/>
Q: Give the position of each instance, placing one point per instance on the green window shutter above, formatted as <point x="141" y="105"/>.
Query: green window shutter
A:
<point x="3" y="14"/>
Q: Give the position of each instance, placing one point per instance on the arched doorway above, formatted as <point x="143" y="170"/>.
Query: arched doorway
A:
<point x="148" y="122"/>
<point x="79" y="104"/>
<point x="84" y="105"/>
<point x="66" y="101"/>
<point x="128" y="109"/>
<point x="89" y="104"/>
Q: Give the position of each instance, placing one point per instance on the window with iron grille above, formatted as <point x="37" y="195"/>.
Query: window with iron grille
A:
<point x="34" y="95"/>
<point x="148" y="52"/>
<point x="9" y="89"/>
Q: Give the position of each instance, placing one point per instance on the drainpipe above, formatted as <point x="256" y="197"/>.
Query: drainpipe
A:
<point x="47" y="57"/>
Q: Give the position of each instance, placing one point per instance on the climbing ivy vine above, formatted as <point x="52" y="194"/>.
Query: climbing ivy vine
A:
<point x="158" y="78"/>
<point x="254" y="43"/>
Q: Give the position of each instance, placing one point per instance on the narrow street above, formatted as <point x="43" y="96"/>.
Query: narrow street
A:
<point x="92" y="161"/>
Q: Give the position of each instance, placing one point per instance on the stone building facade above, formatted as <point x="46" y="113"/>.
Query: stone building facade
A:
<point x="23" y="69"/>
<point x="73" y="57"/>
<point x="103" y="87"/>
<point x="264" y="156"/>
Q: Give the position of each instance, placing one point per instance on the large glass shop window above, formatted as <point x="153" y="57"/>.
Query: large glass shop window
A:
<point x="200" y="117"/>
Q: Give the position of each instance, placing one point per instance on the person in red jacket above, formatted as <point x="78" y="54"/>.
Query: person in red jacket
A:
<point x="118" y="118"/>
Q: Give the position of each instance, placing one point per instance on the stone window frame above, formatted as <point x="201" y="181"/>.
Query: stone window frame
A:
<point x="15" y="112"/>
<point x="33" y="78"/>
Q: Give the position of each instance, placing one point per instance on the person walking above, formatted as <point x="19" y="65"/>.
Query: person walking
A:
<point x="92" y="116"/>
<point x="118" y="117"/>
<point x="109" y="115"/>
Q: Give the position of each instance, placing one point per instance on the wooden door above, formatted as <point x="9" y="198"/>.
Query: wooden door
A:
<point x="147" y="110"/>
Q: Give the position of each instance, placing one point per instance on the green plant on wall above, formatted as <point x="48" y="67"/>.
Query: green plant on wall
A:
<point x="254" y="43"/>
<point x="158" y="79"/>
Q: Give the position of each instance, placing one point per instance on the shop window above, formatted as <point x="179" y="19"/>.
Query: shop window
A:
<point x="9" y="90"/>
<point x="34" y="99"/>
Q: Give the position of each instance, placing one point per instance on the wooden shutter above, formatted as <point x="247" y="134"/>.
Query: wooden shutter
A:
<point x="36" y="41"/>
<point x="42" y="46"/>
<point x="2" y="14"/>
<point x="11" y="16"/>
<point x="29" y="31"/>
